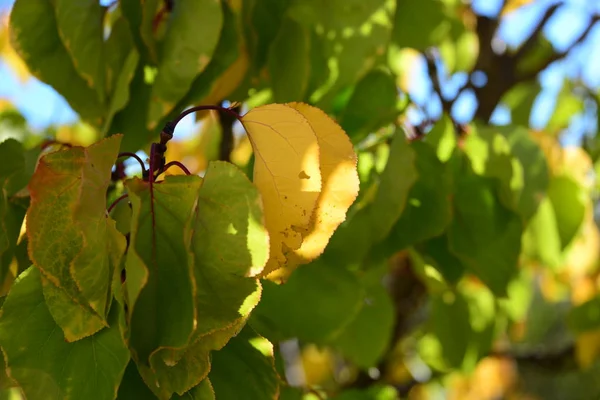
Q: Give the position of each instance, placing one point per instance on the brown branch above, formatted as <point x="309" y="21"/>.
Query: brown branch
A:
<point x="433" y="72"/>
<point x="561" y="55"/>
<point x="532" y="39"/>
<point x="227" y="119"/>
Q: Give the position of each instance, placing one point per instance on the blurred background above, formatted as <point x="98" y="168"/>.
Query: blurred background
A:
<point x="527" y="63"/>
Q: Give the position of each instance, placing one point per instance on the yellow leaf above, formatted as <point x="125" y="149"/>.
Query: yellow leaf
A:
<point x="339" y="187"/>
<point x="287" y="173"/>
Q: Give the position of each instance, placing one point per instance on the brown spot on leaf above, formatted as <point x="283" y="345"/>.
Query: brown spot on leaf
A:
<point x="303" y="175"/>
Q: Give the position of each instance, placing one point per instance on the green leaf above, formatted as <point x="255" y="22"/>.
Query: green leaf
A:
<point x="585" y="317"/>
<point x="428" y="209"/>
<point x="395" y="183"/>
<point x="484" y="234"/>
<point x="131" y="120"/>
<point x="43" y="363"/>
<point x="331" y="298"/>
<point x="288" y="62"/>
<point x="534" y="169"/>
<point x="240" y="368"/>
<point x="449" y="322"/>
<point x="567" y="106"/>
<point x="264" y="19"/>
<point x="443" y="138"/>
<point x="436" y="253"/>
<point x="353" y="239"/>
<point x="490" y="155"/>
<point x="520" y="101"/>
<point x="187" y="48"/>
<point x="70" y="239"/>
<point x="149" y="11"/>
<point x="366" y="338"/>
<point x="375" y="392"/>
<point x="81" y="29"/>
<point x="541" y="239"/>
<point x="372" y="105"/>
<point x="34" y="35"/>
<point x="204" y="391"/>
<point x="420" y="24"/>
<point x="132" y="385"/>
<point x="120" y="68"/>
<point x="160" y="297"/>
<point x="568" y="199"/>
<point x="226" y="53"/>
<point x="13" y="178"/>
<point x="229" y="246"/>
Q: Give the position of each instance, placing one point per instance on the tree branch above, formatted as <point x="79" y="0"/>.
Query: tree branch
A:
<point x="532" y="39"/>
<point x="561" y="55"/>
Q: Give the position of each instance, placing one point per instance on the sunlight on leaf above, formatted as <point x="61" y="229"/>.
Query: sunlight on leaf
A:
<point x="339" y="186"/>
<point x="286" y="172"/>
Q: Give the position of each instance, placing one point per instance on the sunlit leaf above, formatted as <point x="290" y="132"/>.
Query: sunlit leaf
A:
<point x="568" y="200"/>
<point x="339" y="185"/>
<point x="44" y="364"/>
<point x="286" y="172"/>
<point x="229" y="246"/>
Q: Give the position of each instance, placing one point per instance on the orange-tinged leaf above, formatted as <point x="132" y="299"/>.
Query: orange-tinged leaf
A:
<point x="287" y="173"/>
<point x="71" y="240"/>
<point x="339" y="186"/>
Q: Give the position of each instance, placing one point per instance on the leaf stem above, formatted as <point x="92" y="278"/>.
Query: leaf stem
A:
<point x="133" y="155"/>
<point x="177" y="164"/>
<point x="114" y="203"/>
<point x="203" y="108"/>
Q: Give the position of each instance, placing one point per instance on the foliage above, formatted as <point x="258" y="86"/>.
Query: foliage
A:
<point x="312" y="241"/>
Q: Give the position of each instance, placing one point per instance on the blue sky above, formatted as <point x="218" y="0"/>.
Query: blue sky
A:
<point x="42" y="106"/>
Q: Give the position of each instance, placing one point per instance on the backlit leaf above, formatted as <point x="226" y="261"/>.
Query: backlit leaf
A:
<point x="229" y="247"/>
<point x="43" y="363"/>
<point x="34" y="35"/>
<point x="568" y="200"/>
<point x="70" y="239"/>
<point x="187" y="48"/>
<point x="80" y="26"/>
<point x="339" y="186"/>
<point x="286" y="172"/>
